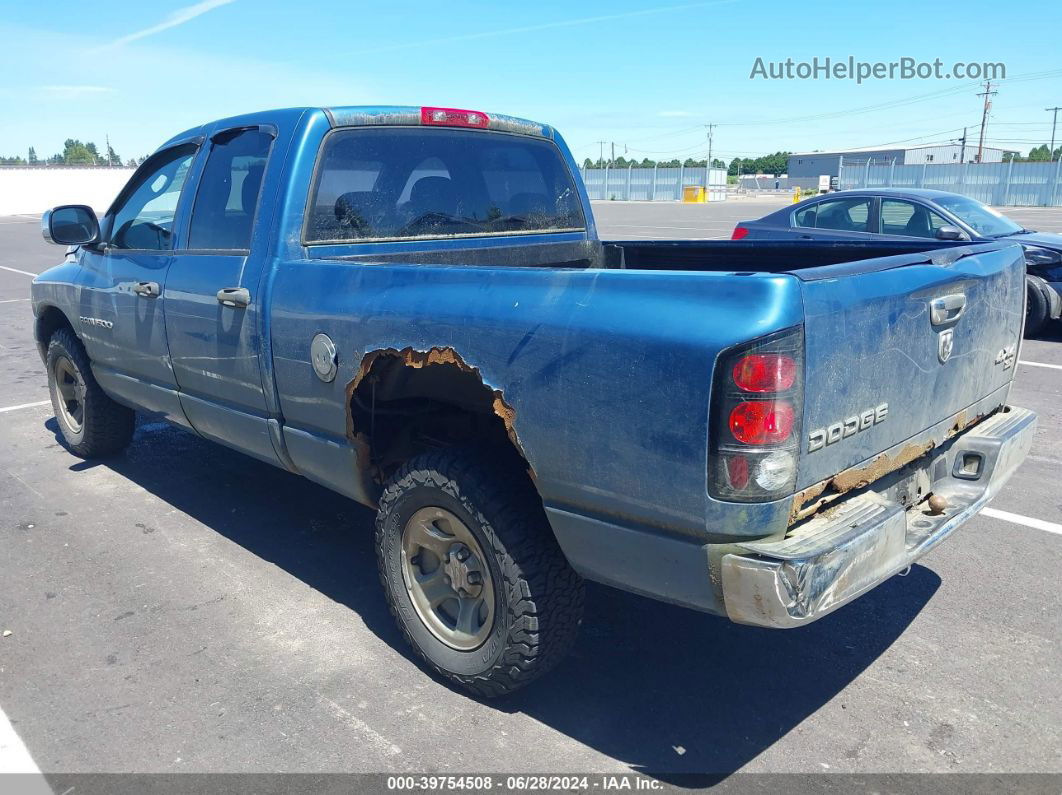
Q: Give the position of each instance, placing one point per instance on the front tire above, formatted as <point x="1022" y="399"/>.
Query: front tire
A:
<point x="472" y="573"/>
<point x="1037" y="308"/>
<point x="91" y="424"/>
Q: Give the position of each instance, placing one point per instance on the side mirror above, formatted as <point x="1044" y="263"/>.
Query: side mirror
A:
<point x="70" y="225"/>
<point x="950" y="233"/>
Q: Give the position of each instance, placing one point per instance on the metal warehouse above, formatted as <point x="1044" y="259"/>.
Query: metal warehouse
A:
<point x="808" y="165"/>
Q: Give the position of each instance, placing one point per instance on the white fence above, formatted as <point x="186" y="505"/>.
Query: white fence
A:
<point x="992" y="183"/>
<point x="652" y="184"/>
<point x="34" y="189"/>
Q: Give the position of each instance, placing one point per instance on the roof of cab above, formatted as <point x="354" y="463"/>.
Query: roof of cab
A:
<point x="361" y="115"/>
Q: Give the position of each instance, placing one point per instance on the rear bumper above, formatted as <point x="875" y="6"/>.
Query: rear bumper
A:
<point x="836" y="556"/>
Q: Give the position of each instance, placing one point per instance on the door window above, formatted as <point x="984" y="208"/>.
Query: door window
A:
<point x="143" y="218"/>
<point x="900" y="217"/>
<point x="844" y="215"/>
<point x="227" y="198"/>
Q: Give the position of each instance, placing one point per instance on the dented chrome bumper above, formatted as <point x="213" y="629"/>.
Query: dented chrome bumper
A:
<point x="836" y="556"/>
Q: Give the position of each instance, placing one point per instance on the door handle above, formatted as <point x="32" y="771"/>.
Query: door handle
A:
<point x="147" y="289"/>
<point x="238" y="297"/>
<point x="947" y="308"/>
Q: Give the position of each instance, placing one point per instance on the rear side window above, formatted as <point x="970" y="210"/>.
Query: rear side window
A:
<point x="906" y="218"/>
<point x="845" y="215"/>
<point x="403" y="183"/>
<point x="227" y="198"/>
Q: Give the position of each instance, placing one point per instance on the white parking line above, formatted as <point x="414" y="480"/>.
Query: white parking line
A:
<point x="14" y="756"/>
<point x="16" y="270"/>
<point x="1041" y="364"/>
<point x="13" y="300"/>
<point x="1038" y="524"/>
<point x="25" y="406"/>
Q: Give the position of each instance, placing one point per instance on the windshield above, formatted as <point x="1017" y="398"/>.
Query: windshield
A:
<point x="979" y="217"/>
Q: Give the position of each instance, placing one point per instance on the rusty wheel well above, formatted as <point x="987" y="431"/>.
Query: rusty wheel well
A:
<point x="405" y="402"/>
<point x="50" y="320"/>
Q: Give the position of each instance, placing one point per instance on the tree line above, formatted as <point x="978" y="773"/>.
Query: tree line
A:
<point x="75" y="153"/>
<point x="1039" y="154"/>
<point x="775" y="164"/>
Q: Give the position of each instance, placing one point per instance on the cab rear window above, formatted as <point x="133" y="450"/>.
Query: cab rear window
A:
<point x="393" y="183"/>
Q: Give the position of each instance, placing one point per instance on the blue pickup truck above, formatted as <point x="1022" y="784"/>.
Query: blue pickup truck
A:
<point x="412" y="307"/>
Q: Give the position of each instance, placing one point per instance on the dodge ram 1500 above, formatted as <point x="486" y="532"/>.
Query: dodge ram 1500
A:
<point x="412" y="307"/>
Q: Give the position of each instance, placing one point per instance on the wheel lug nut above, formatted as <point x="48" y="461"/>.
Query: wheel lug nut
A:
<point x="463" y="553"/>
<point x="474" y="578"/>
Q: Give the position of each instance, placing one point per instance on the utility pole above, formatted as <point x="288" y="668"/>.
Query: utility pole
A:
<point x="962" y="150"/>
<point x="600" y="153"/>
<point x="988" y="93"/>
<point x="613" y="158"/>
<point x="1054" y="123"/>
<point x="710" y="127"/>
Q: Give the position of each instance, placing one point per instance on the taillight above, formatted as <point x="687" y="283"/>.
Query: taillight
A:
<point x="761" y="421"/>
<point x="740" y="233"/>
<point x="757" y="402"/>
<point x="454" y="117"/>
<point x="765" y="372"/>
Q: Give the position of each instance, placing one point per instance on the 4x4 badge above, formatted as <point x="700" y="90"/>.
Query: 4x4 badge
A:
<point x="945" y="342"/>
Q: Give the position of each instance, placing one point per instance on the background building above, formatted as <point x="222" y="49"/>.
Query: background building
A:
<point x="806" y="167"/>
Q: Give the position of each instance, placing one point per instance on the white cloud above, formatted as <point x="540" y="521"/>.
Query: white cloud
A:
<point x="178" y="17"/>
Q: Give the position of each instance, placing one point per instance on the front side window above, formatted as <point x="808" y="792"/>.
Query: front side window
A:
<point x="900" y="217"/>
<point x="405" y="183"/>
<point x="143" y="219"/>
<point x="844" y="215"/>
<point x="979" y="217"/>
<point x="227" y="197"/>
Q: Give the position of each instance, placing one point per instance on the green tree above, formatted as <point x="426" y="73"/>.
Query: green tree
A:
<point x="77" y="153"/>
<point x="1039" y="154"/>
<point x="112" y="157"/>
<point x="31" y="156"/>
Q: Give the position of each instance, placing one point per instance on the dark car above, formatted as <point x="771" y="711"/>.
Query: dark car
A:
<point x="900" y="214"/>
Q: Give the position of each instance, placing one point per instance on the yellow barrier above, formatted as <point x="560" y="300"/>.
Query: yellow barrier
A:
<point x="694" y="194"/>
<point x="796" y="195"/>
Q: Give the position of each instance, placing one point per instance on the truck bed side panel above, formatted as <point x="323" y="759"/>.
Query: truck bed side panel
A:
<point x="608" y="372"/>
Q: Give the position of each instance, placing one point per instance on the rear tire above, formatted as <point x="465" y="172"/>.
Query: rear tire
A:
<point x="91" y="424"/>
<point x="1037" y="308"/>
<point x="463" y="521"/>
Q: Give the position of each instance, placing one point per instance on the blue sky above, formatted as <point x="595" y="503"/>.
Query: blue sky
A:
<point x="645" y="75"/>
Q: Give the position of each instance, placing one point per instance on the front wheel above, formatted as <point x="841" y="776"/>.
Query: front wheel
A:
<point x="1036" y="308"/>
<point x="91" y="424"/>
<point x="472" y="572"/>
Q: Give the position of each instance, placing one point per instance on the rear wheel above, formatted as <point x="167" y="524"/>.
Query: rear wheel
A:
<point x="91" y="424"/>
<point x="472" y="572"/>
<point x="1036" y="308"/>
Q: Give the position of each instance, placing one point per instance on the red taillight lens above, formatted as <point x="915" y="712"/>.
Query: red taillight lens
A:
<point x="761" y="421"/>
<point x="737" y="472"/>
<point x="740" y="233"/>
<point x="454" y="117"/>
<point x="765" y="372"/>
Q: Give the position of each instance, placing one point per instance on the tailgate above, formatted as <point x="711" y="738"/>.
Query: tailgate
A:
<point x="891" y="352"/>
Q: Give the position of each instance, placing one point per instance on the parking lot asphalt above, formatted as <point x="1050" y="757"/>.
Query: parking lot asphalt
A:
<point x="183" y="608"/>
